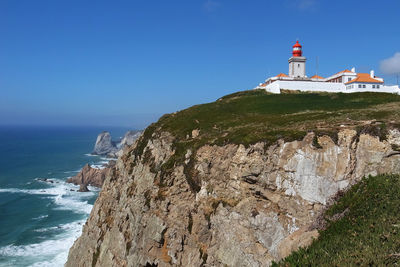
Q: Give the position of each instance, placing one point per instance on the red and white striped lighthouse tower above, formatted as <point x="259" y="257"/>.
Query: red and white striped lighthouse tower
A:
<point x="297" y="63"/>
<point x="297" y="52"/>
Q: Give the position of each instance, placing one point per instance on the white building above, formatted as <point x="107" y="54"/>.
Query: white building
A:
<point x="346" y="81"/>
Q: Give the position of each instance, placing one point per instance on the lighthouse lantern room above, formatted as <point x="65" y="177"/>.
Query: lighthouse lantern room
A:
<point x="297" y="63"/>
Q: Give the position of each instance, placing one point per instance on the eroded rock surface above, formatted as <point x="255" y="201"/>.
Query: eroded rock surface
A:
<point x="224" y="206"/>
<point x="104" y="145"/>
<point x="91" y="176"/>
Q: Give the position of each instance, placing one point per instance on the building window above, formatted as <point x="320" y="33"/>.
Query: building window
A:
<point x="348" y="79"/>
<point x="373" y="86"/>
<point x="377" y="86"/>
<point x="298" y="65"/>
<point x="363" y="85"/>
<point x="359" y="86"/>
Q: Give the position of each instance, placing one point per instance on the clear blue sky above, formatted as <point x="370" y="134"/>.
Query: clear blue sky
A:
<point x="127" y="62"/>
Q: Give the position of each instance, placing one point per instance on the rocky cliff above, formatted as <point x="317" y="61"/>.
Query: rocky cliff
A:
<point x="181" y="200"/>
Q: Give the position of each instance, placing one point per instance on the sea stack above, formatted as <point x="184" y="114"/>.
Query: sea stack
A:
<point x="104" y="145"/>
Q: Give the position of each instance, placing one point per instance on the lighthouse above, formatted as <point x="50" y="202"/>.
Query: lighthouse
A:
<point x="297" y="63"/>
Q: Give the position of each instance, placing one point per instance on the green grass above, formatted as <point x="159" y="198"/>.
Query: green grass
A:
<point x="369" y="233"/>
<point x="252" y="116"/>
<point x="249" y="117"/>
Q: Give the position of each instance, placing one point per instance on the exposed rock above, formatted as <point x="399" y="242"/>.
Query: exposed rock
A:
<point x="195" y="133"/>
<point x="83" y="188"/>
<point x="104" y="145"/>
<point x="129" y="138"/>
<point x="224" y="205"/>
<point x="91" y="176"/>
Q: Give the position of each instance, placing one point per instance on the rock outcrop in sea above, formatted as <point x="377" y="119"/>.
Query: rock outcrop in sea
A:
<point x="104" y="145"/>
<point x="91" y="176"/>
<point x="227" y="205"/>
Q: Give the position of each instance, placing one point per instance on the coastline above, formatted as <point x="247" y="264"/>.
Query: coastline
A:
<point x="42" y="214"/>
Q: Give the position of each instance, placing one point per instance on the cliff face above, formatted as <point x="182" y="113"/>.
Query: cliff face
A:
<point x="223" y="205"/>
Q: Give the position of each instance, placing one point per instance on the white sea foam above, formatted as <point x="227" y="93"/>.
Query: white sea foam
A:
<point x="76" y="171"/>
<point x="61" y="194"/>
<point x="52" y="252"/>
<point x="107" y="159"/>
<point x="91" y="155"/>
<point x="97" y="166"/>
<point x="40" y="217"/>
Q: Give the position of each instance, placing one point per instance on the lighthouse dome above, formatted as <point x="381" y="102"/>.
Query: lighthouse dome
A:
<point x="297" y="44"/>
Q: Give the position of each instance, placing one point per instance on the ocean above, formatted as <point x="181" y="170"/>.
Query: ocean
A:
<point x="39" y="221"/>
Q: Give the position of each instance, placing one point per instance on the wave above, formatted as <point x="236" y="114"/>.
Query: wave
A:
<point x="76" y="171"/>
<point x="52" y="252"/>
<point x="40" y="217"/>
<point x="91" y="155"/>
<point x="63" y="195"/>
<point x="107" y="159"/>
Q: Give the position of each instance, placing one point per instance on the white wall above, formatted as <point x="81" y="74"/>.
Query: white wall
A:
<point x="305" y="86"/>
<point x="308" y="86"/>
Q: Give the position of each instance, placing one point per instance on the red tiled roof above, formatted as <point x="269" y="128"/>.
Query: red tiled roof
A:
<point x="282" y="75"/>
<point x="343" y="71"/>
<point x="364" y="78"/>
<point x="317" y="77"/>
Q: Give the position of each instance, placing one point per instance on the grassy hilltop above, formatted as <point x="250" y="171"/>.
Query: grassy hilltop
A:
<point x="251" y="116"/>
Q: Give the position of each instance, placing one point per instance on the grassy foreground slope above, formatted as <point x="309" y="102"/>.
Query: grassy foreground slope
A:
<point x="367" y="235"/>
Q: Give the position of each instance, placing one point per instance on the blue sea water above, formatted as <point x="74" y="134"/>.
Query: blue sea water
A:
<point x="39" y="221"/>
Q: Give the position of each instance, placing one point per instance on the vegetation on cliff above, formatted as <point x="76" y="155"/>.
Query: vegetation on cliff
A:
<point x="251" y="116"/>
<point x="368" y="234"/>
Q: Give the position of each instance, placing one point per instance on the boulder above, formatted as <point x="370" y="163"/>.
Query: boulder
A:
<point x="83" y="188"/>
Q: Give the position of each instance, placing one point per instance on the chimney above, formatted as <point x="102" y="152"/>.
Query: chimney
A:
<point x="372" y="74"/>
<point x="353" y="69"/>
